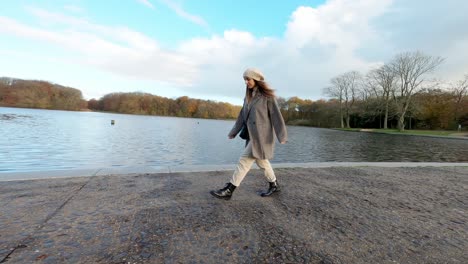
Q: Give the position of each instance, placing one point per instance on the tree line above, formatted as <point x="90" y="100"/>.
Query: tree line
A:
<point x="398" y="94"/>
<point x="39" y="94"/>
<point x="47" y="95"/>
<point x="148" y="104"/>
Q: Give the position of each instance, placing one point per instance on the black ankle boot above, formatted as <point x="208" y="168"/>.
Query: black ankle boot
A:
<point x="274" y="187"/>
<point x="224" y="193"/>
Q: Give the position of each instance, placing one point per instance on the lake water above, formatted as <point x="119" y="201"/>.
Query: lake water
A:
<point x="38" y="140"/>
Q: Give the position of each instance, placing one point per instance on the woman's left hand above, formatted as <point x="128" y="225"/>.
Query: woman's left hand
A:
<point x="283" y="142"/>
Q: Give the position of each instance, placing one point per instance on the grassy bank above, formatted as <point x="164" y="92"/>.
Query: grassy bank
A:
<point x="447" y="133"/>
<point x="442" y="133"/>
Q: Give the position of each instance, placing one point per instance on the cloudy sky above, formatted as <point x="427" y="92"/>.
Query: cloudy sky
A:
<point x="200" y="48"/>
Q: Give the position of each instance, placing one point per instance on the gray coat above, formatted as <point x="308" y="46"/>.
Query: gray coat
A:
<point x="264" y="118"/>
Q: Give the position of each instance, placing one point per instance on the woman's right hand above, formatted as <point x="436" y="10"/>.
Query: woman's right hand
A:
<point x="230" y="137"/>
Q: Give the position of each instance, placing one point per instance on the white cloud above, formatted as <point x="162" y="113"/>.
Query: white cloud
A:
<point x="177" y="8"/>
<point x="73" y="8"/>
<point x="343" y="24"/>
<point x="69" y="23"/>
<point x="119" y="50"/>
<point x="433" y="27"/>
<point x="146" y="3"/>
<point x="318" y="44"/>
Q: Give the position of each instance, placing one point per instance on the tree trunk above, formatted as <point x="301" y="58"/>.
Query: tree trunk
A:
<point x="386" y="116"/>
<point x="347" y="121"/>
<point x="401" y="123"/>
<point x="341" y="117"/>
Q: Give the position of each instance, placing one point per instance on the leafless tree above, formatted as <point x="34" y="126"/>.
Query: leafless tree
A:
<point x="382" y="82"/>
<point x="410" y="69"/>
<point x="460" y="91"/>
<point x="336" y="91"/>
<point x="345" y="88"/>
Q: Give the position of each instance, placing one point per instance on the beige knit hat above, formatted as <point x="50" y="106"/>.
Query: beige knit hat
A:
<point x="255" y="74"/>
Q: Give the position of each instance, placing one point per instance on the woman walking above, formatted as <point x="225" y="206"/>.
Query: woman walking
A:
<point x="258" y="122"/>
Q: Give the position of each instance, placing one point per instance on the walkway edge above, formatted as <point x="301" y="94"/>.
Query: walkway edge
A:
<point x="35" y="175"/>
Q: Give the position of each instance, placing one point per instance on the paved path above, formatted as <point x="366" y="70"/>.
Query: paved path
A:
<point x="323" y="215"/>
<point x="33" y="175"/>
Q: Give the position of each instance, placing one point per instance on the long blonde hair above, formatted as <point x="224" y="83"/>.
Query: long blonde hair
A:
<point x="263" y="87"/>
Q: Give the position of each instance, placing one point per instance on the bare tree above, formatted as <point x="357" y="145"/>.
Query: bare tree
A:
<point x="345" y="88"/>
<point x="353" y="84"/>
<point x="336" y="91"/>
<point x="460" y="91"/>
<point x="283" y="105"/>
<point x="382" y="81"/>
<point x="410" y="69"/>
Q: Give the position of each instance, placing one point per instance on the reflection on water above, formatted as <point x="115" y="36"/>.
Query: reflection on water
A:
<point x="34" y="140"/>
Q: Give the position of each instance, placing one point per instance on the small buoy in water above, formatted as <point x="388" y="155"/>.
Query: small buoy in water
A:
<point x="112" y="122"/>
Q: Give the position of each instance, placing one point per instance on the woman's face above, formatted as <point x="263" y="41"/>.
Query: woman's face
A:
<point x="250" y="83"/>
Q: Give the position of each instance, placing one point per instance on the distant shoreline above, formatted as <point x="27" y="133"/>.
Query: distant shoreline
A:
<point x="425" y="133"/>
<point x="414" y="132"/>
<point x="117" y="113"/>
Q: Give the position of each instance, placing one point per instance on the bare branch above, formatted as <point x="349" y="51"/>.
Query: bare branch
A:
<point x="410" y="69"/>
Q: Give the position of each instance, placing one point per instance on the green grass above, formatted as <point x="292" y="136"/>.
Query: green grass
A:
<point x="406" y="132"/>
<point x="350" y="129"/>
<point x="417" y="132"/>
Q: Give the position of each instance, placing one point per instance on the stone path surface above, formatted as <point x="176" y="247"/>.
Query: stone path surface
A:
<point x="322" y="215"/>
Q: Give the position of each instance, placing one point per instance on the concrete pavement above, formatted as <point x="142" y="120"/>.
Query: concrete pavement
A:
<point x="374" y="213"/>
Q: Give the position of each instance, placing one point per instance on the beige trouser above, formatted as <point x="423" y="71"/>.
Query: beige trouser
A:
<point x="245" y="163"/>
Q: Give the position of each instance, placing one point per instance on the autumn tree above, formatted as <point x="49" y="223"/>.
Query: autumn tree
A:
<point x="283" y="106"/>
<point x="39" y="94"/>
<point x="325" y="113"/>
<point x="93" y="104"/>
<point x="434" y="108"/>
<point x="460" y="93"/>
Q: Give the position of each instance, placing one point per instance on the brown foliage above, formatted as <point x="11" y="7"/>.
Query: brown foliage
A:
<point x="148" y="104"/>
<point x="431" y="108"/>
<point x="39" y="94"/>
